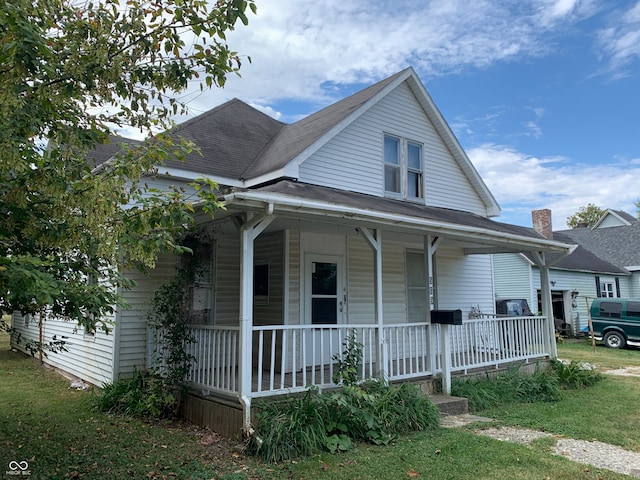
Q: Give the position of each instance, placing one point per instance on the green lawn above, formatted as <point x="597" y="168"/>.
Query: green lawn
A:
<point x="603" y="357"/>
<point x="58" y="433"/>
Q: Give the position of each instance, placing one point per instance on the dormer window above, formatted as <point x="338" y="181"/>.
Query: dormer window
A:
<point x="403" y="168"/>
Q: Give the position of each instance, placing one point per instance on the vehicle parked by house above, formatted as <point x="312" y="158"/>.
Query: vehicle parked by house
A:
<point x="512" y="307"/>
<point x="616" y="321"/>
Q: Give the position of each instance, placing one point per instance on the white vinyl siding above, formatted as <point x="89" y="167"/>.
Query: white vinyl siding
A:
<point x="227" y="280"/>
<point x="513" y="278"/>
<point x="611" y="221"/>
<point x="464" y="281"/>
<point x="132" y="326"/>
<point x="360" y="282"/>
<point x="293" y="312"/>
<point x="88" y="357"/>
<point x="269" y="249"/>
<point x="353" y="159"/>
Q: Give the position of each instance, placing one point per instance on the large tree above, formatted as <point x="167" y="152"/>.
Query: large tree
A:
<point x="71" y="73"/>
<point x="588" y="215"/>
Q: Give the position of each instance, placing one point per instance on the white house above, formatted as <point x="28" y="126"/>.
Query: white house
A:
<point x="365" y="215"/>
<point x="605" y="263"/>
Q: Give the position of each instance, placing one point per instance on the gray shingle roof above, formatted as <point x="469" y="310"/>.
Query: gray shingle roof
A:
<point x="388" y="205"/>
<point x="230" y="138"/>
<point x="617" y="245"/>
<point x="582" y="259"/>
<point x="293" y="139"/>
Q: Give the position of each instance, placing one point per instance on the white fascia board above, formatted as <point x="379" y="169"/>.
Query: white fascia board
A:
<point x="182" y="174"/>
<point x="296" y="205"/>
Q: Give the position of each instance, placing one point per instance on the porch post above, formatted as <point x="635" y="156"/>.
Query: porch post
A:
<point x="248" y="233"/>
<point x="375" y="242"/>
<point x="547" y="305"/>
<point x="547" y="309"/>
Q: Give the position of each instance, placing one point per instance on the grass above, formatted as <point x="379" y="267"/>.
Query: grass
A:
<point x="56" y="430"/>
<point x="603" y="357"/>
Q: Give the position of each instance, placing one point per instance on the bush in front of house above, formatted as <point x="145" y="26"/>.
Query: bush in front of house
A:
<point x="373" y="411"/>
<point x="142" y="395"/>
<point x="544" y="385"/>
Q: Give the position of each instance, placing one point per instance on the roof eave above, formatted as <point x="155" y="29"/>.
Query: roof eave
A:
<point x="286" y="203"/>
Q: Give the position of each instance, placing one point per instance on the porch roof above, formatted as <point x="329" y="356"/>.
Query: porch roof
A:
<point x="475" y="233"/>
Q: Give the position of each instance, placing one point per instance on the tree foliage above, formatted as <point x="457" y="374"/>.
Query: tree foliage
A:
<point x="588" y="215"/>
<point x="71" y="73"/>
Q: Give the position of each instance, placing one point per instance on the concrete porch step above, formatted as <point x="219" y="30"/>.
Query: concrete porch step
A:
<point x="449" y="405"/>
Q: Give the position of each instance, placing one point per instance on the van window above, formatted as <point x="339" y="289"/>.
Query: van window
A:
<point x="610" y="309"/>
<point x="633" y="309"/>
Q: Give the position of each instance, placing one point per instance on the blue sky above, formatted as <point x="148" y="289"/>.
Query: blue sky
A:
<point x="544" y="95"/>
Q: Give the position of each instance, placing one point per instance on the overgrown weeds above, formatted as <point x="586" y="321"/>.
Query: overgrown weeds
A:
<point x="373" y="411"/>
<point x="544" y="385"/>
<point x="143" y="395"/>
<point x="574" y="375"/>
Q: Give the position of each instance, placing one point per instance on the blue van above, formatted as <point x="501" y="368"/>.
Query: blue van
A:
<point x="616" y="321"/>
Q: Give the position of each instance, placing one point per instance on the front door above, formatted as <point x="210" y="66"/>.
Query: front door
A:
<point x="324" y="305"/>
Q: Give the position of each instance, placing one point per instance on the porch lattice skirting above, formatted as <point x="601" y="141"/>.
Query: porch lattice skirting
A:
<point x="289" y="358"/>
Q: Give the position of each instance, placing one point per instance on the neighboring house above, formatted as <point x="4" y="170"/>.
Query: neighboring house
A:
<point x="606" y="263"/>
<point x="365" y="215"/>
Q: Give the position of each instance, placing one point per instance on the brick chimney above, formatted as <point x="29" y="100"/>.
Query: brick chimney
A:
<point x="541" y="220"/>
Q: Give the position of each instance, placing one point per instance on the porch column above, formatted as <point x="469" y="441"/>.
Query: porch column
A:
<point x="430" y="291"/>
<point x="248" y="233"/>
<point x="545" y="298"/>
<point x="375" y="242"/>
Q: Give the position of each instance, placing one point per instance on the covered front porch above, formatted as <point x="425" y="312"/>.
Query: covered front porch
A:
<point x="288" y="359"/>
<point x="316" y="265"/>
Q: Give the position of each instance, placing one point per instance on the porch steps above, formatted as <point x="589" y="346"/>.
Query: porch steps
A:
<point x="449" y="405"/>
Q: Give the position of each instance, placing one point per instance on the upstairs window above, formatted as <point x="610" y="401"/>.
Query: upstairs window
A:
<point x="403" y="168"/>
<point x="392" y="164"/>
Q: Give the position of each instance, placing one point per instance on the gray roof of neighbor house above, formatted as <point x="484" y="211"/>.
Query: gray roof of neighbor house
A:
<point x="627" y="216"/>
<point x="580" y="259"/>
<point x="617" y="245"/>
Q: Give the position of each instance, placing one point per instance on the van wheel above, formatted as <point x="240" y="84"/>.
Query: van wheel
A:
<point x="614" y="340"/>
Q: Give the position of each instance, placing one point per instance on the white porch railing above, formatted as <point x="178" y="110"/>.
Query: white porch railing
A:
<point x="290" y="358"/>
<point x="495" y="341"/>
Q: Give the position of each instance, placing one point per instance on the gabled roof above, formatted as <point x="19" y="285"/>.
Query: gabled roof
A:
<point x="580" y="259"/>
<point x="622" y="218"/>
<point x="298" y="139"/>
<point x="247" y="147"/>
<point x="230" y="137"/>
<point x="617" y="245"/>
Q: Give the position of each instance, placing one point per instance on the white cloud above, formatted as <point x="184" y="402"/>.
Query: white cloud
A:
<point x="521" y="183"/>
<point x="619" y="42"/>
<point x="305" y="51"/>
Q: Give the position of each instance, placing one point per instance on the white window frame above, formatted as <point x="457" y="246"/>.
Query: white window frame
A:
<point x="403" y="168"/>
<point x="607" y="287"/>
<point x="422" y="287"/>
